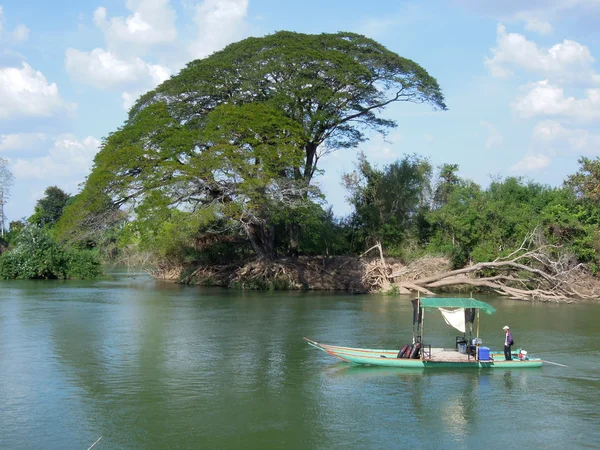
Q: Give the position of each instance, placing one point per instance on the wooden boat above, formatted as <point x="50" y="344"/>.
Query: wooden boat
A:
<point x="428" y="356"/>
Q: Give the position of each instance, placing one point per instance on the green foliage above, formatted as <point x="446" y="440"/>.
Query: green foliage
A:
<point x="447" y="181"/>
<point x="15" y="228"/>
<point x="38" y="256"/>
<point x="49" y="208"/>
<point x="465" y="222"/>
<point x="388" y="203"/>
<point x="82" y="264"/>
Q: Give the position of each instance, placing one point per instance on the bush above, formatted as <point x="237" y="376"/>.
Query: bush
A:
<point x="83" y="264"/>
<point x="458" y="258"/>
<point x="38" y="256"/>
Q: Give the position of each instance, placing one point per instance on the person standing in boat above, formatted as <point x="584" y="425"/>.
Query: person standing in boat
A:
<point x="508" y="342"/>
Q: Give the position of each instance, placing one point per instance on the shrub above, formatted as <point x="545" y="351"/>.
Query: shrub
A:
<point x="38" y="256"/>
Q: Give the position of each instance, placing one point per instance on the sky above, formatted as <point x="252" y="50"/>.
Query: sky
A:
<point x="521" y="80"/>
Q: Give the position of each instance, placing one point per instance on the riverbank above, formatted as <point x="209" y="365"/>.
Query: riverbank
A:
<point x="344" y="273"/>
<point x="302" y="273"/>
<point x="387" y="275"/>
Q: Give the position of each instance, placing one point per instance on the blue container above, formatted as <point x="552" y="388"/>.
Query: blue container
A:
<point x="484" y="354"/>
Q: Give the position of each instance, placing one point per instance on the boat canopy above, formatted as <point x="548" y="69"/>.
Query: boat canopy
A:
<point x="456" y="303"/>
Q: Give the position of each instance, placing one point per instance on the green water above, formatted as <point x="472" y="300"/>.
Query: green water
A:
<point x="149" y="365"/>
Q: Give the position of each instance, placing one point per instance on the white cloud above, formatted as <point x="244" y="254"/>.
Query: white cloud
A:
<point x="219" y="22"/>
<point x="25" y="92"/>
<point x="545" y="99"/>
<point x="494" y="137"/>
<point x="538" y="26"/>
<point x="21" y="142"/>
<point x="531" y="162"/>
<point x="120" y="66"/>
<point x="568" y="61"/>
<point x="20" y="33"/>
<point x="151" y="22"/>
<point x="105" y="70"/>
<point x="551" y="135"/>
<point x="551" y="139"/>
<point x="69" y="160"/>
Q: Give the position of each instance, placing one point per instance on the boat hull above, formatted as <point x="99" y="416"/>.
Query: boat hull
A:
<point x="388" y="358"/>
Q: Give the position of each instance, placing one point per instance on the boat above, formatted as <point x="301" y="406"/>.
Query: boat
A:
<point x="467" y="352"/>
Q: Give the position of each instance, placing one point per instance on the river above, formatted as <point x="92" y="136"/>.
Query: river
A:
<point x="150" y="365"/>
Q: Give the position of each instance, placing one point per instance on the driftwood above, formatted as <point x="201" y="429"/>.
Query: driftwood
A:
<point x="534" y="272"/>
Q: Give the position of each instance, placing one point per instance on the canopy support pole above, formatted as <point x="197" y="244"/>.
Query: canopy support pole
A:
<point x="477" y="341"/>
<point x="422" y="328"/>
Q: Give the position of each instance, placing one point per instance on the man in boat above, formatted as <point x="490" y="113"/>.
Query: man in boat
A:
<point x="508" y="342"/>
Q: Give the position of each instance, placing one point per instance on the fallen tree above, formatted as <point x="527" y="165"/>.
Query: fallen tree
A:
<point x="536" y="271"/>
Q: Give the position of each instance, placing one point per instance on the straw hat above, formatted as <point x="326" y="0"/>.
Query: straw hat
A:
<point x="505" y="327"/>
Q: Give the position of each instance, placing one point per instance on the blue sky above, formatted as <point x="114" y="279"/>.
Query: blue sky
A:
<point x="522" y="82"/>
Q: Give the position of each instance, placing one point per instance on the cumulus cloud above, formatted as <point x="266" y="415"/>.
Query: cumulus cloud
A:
<point x="25" y="92"/>
<point x="545" y="99"/>
<point x="218" y="22"/>
<point x="105" y="70"/>
<point x="569" y="60"/>
<point x="494" y="137"/>
<point x="68" y="160"/>
<point x="151" y="22"/>
<point x="120" y="66"/>
<point x="531" y="162"/>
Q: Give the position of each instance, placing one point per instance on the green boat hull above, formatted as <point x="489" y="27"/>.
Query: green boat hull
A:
<point x="388" y="358"/>
<point x="420" y="364"/>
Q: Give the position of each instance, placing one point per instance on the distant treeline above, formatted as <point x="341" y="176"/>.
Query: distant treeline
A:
<point x="409" y="207"/>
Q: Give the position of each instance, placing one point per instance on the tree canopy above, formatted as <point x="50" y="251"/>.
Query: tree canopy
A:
<point x="49" y="208"/>
<point x="239" y="134"/>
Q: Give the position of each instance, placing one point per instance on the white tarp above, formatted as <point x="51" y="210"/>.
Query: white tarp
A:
<point x="454" y="318"/>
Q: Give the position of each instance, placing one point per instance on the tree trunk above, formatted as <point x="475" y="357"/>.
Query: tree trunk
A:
<point x="262" y="238"/>
<point x="311" y="152"/>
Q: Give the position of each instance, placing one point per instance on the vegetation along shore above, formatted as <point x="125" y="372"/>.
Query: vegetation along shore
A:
<point x="211" y="180"/>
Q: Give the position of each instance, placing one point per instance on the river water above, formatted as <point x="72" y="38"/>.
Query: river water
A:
<point x="146" y="365"/>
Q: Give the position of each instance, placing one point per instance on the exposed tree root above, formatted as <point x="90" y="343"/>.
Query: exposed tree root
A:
<point x="533" y="272"/>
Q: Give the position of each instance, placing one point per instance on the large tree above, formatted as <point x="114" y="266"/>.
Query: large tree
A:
<point x="199" y="139"/>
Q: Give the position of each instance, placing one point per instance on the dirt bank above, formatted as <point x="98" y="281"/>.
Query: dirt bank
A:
<point x="350" y="274"/>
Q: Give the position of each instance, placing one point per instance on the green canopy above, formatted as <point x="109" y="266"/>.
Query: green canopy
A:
<point x="456" y="303"/>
